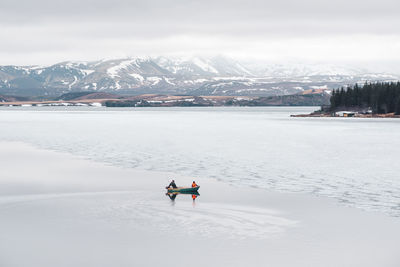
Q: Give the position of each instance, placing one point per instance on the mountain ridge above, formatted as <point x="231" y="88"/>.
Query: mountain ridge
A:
<point x="162" y="75"/>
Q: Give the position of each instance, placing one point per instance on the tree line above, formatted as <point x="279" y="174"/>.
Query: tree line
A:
<point x="380" y="97"/>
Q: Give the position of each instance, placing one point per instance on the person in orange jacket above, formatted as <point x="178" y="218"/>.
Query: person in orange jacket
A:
<point x="194" y="184"/>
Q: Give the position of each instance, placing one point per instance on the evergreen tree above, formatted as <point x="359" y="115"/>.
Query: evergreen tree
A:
<point x="380" y="97"/>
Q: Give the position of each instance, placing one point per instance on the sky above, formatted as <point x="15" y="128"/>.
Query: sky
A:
<point x="50" y="31"/>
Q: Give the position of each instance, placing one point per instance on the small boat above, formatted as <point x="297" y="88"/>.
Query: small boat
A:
<point x="183" y="189"/>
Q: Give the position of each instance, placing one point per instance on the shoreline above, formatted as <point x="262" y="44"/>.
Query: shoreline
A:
<point x="326" y="115"/>
<point x="157" y="100"/>
<point x="124" y="217"/>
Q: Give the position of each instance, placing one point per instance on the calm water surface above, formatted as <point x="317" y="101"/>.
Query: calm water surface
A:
<point x="356" y="161"/>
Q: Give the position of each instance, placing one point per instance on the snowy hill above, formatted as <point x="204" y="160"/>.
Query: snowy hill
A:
<point x="195" y="76"/>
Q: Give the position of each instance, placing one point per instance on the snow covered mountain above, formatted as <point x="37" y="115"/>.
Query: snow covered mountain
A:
<point x="195" y="76"/>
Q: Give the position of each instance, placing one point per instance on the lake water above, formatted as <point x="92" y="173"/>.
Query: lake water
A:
<point x="356" y="161"/>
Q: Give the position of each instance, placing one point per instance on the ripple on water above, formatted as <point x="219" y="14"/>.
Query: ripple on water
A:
<point x="206" y="219"/>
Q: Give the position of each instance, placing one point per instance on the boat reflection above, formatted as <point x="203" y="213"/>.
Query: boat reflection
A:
<point x="173" y="196"/>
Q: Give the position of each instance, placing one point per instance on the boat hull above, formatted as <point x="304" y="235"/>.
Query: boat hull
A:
<point x="183" y="189"/>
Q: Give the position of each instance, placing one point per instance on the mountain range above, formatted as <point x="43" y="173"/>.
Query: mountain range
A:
<point x="179" y="76"/>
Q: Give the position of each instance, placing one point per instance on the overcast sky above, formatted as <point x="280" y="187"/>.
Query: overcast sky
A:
<point x="49" y="31"/>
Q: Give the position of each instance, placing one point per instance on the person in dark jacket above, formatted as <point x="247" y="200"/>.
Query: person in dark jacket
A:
<point x="172" y="184"/>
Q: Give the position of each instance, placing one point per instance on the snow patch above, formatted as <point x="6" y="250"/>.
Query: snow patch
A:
<point x="74" y="82"/>
<point x="113" y="71"/>
<point x="168" y="80"/>
<point x="137" y="76"/>
<point x="87" y="72"/>
<point x="319" y="87"/>
<point x="205" y="66"/>
<point x="154" y="80"/>
<point x="117" y="85"/>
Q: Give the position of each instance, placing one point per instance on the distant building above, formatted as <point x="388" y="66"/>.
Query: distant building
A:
<point x="346" y="113"/>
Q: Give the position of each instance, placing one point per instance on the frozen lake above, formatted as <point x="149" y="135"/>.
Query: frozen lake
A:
<point x="352" y="160"/>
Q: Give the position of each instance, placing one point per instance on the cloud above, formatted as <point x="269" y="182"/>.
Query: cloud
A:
<point x="45" y="31"/>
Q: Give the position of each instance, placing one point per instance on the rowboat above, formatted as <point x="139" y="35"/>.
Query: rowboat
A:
<point x="183" y="189"/>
